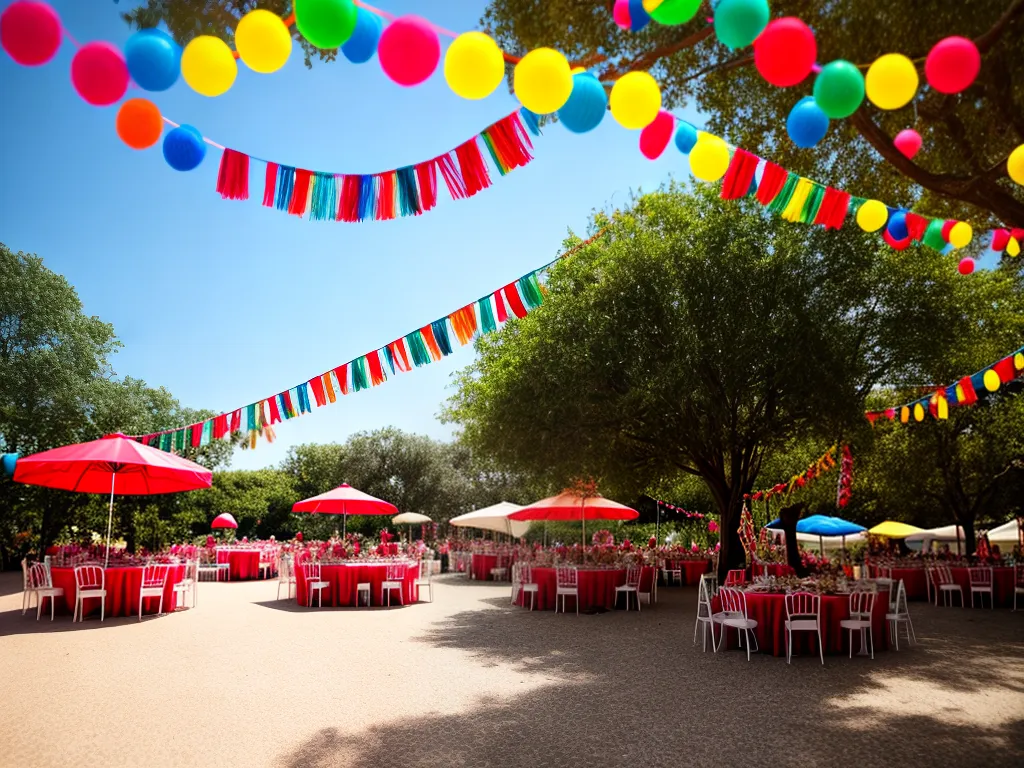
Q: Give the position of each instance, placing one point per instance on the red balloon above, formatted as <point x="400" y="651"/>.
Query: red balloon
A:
<point x="30" y="32"/>
<point x="409" y="50"/>
<point x="899" y="245"/>
<point x="1000" y="239"/>
<point x="99" y="73"/>
<point x="966" y="266"/>
<point x="946" y="227"/>
<point x="908" y="142"/>
<point x="952" y="64"/>
<point x="785" y="51"/>
<point x="656" y="136"/>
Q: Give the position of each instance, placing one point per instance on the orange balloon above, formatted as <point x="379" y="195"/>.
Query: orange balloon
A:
<point x="139" y="124"/>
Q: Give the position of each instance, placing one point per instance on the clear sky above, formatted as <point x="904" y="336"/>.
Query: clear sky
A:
<point x="227" y="302"/>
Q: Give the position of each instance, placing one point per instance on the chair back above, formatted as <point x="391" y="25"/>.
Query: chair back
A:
<point x="154" y="576"/>
<point x="311" y="571"/>
<point x="192" y="569"/>
<point x="980" y="577"/>
<point x="525" y="573"/>
<point x="941" y="575"/>
<point x="803" y="605"/>
<point x="89" y="577"/>
<point x="501" y="561"/>
<point x="38" y="577"/>
<point x="733" y="601"/>
<point x="704" y="595"/>
<point x="862" y="604"/>
<point x="25" y="582"/>
<point x="737" y="576"/>
<point x="284" y="568"/>
<point x="396" y="571"/>
<point x="565" y="576"/>
<point x="426" y="569"/>
<point x="633" y="576"/>
<point x="883" y="572"/>
<point x="900" y="603"/>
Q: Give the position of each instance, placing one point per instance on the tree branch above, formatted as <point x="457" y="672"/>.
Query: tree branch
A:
<point x="990" y="38"/>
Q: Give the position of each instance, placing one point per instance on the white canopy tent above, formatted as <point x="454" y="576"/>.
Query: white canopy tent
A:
<point x="1005" y="535"/>
<point x="945" y="534"/>
<point x="494" y="518"/>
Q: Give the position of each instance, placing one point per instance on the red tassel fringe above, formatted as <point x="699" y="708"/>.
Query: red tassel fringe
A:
<point x="739" y="175"/>
<point x="452" y="178"/>
<point x="386" y="190"/>
<point x="426" y="175"/>
<point x="300" y="192"/>
<point x="515" y="303"/>
<point x="233" y="176"/>
<point x="270" y="185"/>
<point x="376" y="369"/>
<point x="348" y="203"/>
<point x="472" y="166"/>
<point x="511" y="141"/>
<point x="772" y="181"/>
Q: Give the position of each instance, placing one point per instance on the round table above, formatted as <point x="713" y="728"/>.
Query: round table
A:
<point x="769" y="611"/>
<point x="596" y="588"/>
<point x="345" y="577"/>
<point x="1002" y="586"/>
<point x="915" y="581"/>
<point x="480" y="566"/>
<point x="690" y="569"/>
<point x="243" y="564"/>
<point x="122" y="585"/>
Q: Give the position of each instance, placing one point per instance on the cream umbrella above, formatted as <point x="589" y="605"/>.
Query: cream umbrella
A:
<point x="410" y="519"/>
<point x="494" y="518"/>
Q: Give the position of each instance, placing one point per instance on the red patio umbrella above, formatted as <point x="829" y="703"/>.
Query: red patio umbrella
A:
<point x="345" y="500"/>
<point x="224" y="520"/>
<point x="573" y="505"/>
<point x="115" y="463"/>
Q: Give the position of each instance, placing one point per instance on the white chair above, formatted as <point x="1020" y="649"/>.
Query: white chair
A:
<point x="943" y="583"/>
<point x="426" y="570"/>
<point x="314" y="583"/>
<point x="672" y="572"/>
<point x="285" y="576"/>
<point x="735" y="577"/>
<point x="705" y="616"/>
<point x="154" y="579"/>
<point x="90" y="583"/>
<point x="526" y="584"/>
<point x="1018" y="583"/>
<point x="500" y="570"/>
<point x="803" y="614"/>
<point x="42" y="586"/>
<point x="734" y="605"/>
<point x="364" y="588"/>
<point x="899" y="613"/>
<point x="862" y="606"/>
<point x="981" y="584"/>
<point x="266" y="563"/>
<point x="209" y="569"/>
<point x="517" y="576"/>
<point x="631" y="587"/>
<point x="26" y="585"/>
<point x="567" y="585"/>
<point x="394" y="577"/>
<point x="188" y="584"/>
<point x="888" y="586"/>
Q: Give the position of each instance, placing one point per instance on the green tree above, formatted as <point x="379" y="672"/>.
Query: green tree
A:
<point x="261" y="500"/>
<point x="697" y="337"/>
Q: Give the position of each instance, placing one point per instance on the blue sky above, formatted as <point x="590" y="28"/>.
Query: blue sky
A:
<point x="226" y="302"/>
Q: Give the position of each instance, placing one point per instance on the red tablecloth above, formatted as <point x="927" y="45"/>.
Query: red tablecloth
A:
<point x="1002" y="586"/>
<point x="345" y="578"/>
<point x="769" y="611"/>
<point x="480" y="567"/>
<point x="915" y="582"/>
<point x="596" y="588"/>
<point x="243" y="564"/>
<point x="122" y="585"/>
<point x="690" y="570"/>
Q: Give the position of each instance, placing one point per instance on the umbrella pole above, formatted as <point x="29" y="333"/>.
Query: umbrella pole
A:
<point x="821" y="545"/>
<point x="583" y="523"/>
<point x="110" y="518"/>
<point x="657" y="522"/>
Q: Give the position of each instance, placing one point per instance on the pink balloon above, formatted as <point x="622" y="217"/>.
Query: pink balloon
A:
<point x="785" y="51"/>
<point x="620" y="12"/>
<point x="409" y="50"/>
<point x="30" y="32"/>
<point x="952" y="64"/>
<point x="99" y="73"/>
<point x="966" y="266"/>
<point x="908" y="142"/>
<point x="656" y="136"/>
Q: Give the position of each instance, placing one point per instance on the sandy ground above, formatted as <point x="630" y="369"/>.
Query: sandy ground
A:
<point x="469" y="681"/>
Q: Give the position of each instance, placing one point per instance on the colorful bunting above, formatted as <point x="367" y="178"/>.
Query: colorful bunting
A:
<point x="819" y="467"/>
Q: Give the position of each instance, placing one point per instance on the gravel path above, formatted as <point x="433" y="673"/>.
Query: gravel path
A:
<point x="469" y="681"/>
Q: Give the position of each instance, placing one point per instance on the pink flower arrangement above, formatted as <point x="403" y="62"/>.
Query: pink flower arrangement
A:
<point x="712" y="526"/>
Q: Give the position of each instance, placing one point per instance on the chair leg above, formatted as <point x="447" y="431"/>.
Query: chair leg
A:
<point x="789" y="646"/>
<point x="52" y="601"/>
<point x="103" y="608"/>
<point x="821" y="649"/>
<point x="39" y="607"/>
<point x="747" y="633"/>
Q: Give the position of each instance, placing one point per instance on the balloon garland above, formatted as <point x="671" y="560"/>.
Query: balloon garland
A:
<point x="964" y="392"/>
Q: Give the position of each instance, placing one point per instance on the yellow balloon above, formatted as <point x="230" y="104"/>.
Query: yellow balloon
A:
<point x="1018" y="361"/>
<point x="942" y="409"/>
<point x="991" y="379"/>
<point x="1013" y="247"/>
<point x="904" y="415"/>
<point x="635" y="100"/>
<point x="263" y="41"/>
<point x="542" y="81"/>
<point x="891" y="81"/>
<point x="918" y="412"/>
<point x="473" y="65"/>
<point x="960" y="234"/>
<point x="1015" y="165"/>
<point x="208" y="65"/>
<point x="872" y="215"/>
<point x="650" y="5"/>
<point x="709" y="158"/>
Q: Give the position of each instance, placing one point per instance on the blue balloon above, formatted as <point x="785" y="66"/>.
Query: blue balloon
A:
<point x="184" y="148"/>
<point x="897" y="226"/>
<point x="154" y="59"/>
<point x="807" y="124"/>
<point x="9" y="460"/>
<point x="586" y="105"/>
<point x="360" y="48"/>
<point x="686" y="137"/>
<point x="638" y="17"/>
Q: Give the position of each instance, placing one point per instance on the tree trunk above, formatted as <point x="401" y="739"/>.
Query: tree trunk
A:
<point x="969" y="539"/>
<point x="790" y="516"/>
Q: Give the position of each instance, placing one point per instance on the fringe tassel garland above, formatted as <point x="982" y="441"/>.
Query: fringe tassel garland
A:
<point x="233" y="175"/>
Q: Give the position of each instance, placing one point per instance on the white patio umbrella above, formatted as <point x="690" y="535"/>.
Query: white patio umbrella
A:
<point x="1007" y="534"/>
<point x="494" y="518"/>
<point x="410" y="519"/>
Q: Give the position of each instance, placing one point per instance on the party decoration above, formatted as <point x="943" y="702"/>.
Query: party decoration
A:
<point x="785" y="52"/>
<point x="208" y="66"/>
<point x="409" y="50"/>
<point x="153" y="58"/>
<point x="9" y="461"/>
<point x="635" y="100"/>
<point x="897" y="226"/>
<point x="961" y="234"/>
<point x="474" y="66"/>
<point x="99" y="73"/>
<point x="807" y="123"/>
<point x="709" y="158"/>
<point x="891" y="81"/>
<point x="739" y="22"/>
<point x="362" y="44"/>
<point x="966" y="266"/>
<point x="952" y="65"/>
<point x="991" y="380"/>
<point x="872" y="215"/>
<point x="263" y="41"/>
<point x="908" y="142"/>
<point x="184" y="148"/>
<point x="630" y="15"/>
<point x="1013" y="246"/>
<point x="586" y="106"/>
<point x="543" y="81"/>
<point x="139" y="124"/>
<point x="686" y="137"/>
<point x="326" y="24"/>
<point x="672" y="12"/>
<point x="819" y="467"/>
<point x="1015" y="165"/>
<point x="839" y="89"/>
<point x="656" y="136"/>
<point x="30" y="32"/>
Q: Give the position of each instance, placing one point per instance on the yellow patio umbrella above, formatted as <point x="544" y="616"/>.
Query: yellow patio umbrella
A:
<point x="891" y="529"/>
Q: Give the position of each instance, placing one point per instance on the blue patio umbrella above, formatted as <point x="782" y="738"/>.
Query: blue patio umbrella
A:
<point x="823" y="525"/>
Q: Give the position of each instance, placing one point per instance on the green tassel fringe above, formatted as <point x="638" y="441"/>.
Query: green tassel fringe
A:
<point x="530" y="291"/>
<point x="487" y="324"/>
<point x="440" y="329"/>
<point x="418" y="349"/>
<point x="360" y="378"/>
<point x="324" y="204"/>
<point x="812" y="203"/>
<point x="778" y="205"/>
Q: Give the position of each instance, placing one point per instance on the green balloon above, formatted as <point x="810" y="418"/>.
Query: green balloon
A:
<point x="672" y="12"/>
<point x="739" y="22"/>
<point x="933" y="235"/>
<point x="326" y="24"/>
<point x="839" y="89"/>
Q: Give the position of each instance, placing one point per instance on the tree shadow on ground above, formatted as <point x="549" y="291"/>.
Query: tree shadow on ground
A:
<point x="632" y="689"/>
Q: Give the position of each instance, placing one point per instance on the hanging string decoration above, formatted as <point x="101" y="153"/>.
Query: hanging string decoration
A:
<point x="680" y="511"/>
<point x="820" y="466"/>
<point x="845" y="489"/>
